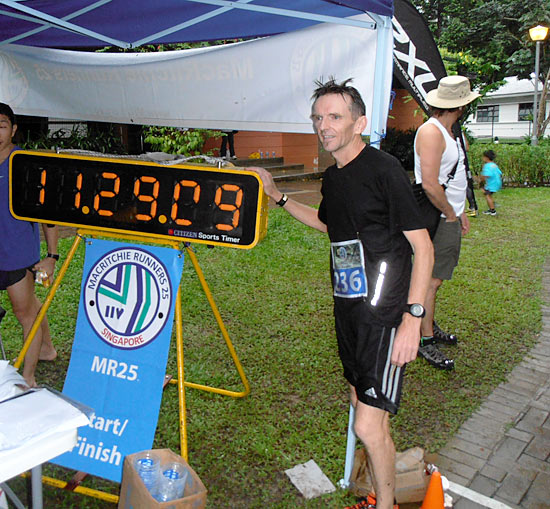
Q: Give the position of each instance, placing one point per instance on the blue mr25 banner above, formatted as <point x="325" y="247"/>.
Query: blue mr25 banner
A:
<point x="120" y="351"/>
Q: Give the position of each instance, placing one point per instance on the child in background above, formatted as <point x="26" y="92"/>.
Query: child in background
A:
<point x="491" y="179"/>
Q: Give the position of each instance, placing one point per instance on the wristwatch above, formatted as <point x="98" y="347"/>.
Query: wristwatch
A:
<point x="417" y="310"/>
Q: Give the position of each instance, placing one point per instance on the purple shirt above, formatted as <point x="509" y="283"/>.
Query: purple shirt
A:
<point x="19" y="240"/>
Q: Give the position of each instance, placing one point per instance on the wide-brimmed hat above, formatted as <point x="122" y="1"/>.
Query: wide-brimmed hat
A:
<point x="451" y="92"/>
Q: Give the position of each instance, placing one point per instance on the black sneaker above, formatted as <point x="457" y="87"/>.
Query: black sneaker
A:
<point x="436" y="357"/>
<point x="440" y="336"/>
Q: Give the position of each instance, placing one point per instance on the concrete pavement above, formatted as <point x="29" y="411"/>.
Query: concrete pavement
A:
<point x="503" y="450"/>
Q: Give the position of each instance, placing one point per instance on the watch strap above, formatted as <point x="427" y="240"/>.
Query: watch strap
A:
<point x="282" y="201"/>
<point x="54" y="256"/>
<point x="408" y="309"/>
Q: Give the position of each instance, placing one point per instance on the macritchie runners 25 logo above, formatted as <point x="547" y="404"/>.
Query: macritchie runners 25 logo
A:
<point x="127" y="297"/>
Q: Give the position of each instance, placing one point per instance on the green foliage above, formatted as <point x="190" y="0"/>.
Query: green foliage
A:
<point x="106" y="141"/>
<point x="494" y="31"/>
<point x="522" y="165"/>
<point x="400" y="144"/>
<point x="156" y="48"/>
<point x="173" y="140"/>
<point x="478" y="70"/>
<point x="276" y="303"/>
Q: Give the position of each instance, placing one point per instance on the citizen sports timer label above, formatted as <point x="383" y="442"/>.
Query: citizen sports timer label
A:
<point x="127" y="297"/>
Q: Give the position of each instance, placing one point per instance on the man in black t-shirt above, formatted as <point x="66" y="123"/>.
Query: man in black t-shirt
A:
<point x="374" y="225"/>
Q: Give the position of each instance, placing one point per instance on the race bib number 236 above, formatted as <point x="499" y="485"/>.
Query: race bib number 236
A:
<point x="348" y="269"/>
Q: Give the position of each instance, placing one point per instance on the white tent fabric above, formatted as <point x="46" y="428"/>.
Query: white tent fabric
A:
<point x="264" y="84"/>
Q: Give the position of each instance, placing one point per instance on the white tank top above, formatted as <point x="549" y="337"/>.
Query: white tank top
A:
<point x="456" y="187"/>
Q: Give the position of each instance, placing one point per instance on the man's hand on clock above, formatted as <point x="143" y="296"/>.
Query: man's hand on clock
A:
<point x="267" y="179"/>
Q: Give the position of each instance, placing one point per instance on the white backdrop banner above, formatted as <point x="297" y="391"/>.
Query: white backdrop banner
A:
<point x="263" y="85"/>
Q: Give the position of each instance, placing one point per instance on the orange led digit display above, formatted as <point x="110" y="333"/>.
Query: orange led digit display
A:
<point x="115" y="179"/>
<point x="189" y="203"/>
<point x="185" y="185"/>
<point x="146" y="198"/>
<point x="233" y="207"/>
<point x="42" y="186"/>
<point x="77" y="190"/>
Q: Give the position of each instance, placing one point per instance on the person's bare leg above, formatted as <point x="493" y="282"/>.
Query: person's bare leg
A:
<point x="490" y="201"/>
<point x="427" y="324"/>
<point x="373" y="429"/>
<point x="47" y="350"/>
<point x="26" y="306"/>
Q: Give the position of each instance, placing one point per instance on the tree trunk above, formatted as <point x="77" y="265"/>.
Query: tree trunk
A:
<point x="542" y="121"/>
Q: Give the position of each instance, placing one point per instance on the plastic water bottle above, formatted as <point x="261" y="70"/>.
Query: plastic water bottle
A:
<point x="172" y="482"/>
<point x="41" y="278"/>
<point x="273" y="155"/>
<point x="261" y="155"/>
<point x="148" y="467"/>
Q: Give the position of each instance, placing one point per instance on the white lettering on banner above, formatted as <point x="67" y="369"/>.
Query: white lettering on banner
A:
<point x="98" y="452"/>
<point x="114" y="426"/>
<point x="112" y="367"/>
<point x="410" y="60"/>
<point x="240" y="70"/>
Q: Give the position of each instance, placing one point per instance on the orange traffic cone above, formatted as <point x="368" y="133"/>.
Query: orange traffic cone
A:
<point x="434" y="498"/>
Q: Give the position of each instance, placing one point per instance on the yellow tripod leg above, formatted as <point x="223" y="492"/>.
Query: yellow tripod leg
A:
<point x="225" y="335"/>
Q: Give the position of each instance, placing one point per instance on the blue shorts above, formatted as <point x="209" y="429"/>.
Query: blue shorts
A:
<point x="365" y="348"/>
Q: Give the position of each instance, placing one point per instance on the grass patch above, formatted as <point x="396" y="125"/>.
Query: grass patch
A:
<point x="275" y="301"/>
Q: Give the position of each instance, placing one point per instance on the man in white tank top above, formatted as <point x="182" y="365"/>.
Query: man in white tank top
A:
<point x="439" y="166"/>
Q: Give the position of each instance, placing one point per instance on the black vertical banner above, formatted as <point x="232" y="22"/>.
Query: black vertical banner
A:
<point x="418" y="65"/>
<point x="416" y="59"/>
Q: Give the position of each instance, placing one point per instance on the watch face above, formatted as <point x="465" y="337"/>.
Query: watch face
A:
<point x="417" y="310"/>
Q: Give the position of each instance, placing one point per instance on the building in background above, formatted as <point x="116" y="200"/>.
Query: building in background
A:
<point x="506" y="113"/>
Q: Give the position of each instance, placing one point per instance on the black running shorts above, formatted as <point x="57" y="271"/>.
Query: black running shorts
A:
<point x="365" y="349"/>
<point x="10" y="277"/>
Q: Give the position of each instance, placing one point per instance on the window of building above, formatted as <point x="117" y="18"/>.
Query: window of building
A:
<point x="525" y="111"/>
<point x="487" y="113"/>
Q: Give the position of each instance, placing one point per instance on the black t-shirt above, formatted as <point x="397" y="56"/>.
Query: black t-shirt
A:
<point x="371" y="199"/>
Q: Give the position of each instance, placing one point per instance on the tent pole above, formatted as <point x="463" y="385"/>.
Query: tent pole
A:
<point x="383" y="68"/>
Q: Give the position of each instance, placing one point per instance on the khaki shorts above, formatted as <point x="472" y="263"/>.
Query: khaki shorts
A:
<point x="446" y="243"/>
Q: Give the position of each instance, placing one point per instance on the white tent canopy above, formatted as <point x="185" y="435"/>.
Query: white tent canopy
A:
<point x="262" y="84"/>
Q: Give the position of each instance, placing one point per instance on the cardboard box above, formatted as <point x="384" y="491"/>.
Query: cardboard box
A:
<point x="134" y="494"/>
<point x="411" y="479"/>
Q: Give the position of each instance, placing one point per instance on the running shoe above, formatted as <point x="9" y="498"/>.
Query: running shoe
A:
<point x="368" y="503"/>
<point x="471" y="212"/>
<point x="363" y="504"/>
<point x="440" y="336"/>
<point x="490" y="212"/>
<point x="436" y="357"/>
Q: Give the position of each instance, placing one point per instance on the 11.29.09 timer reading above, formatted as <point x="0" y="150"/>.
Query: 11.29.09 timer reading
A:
<point x="188" y="203"/>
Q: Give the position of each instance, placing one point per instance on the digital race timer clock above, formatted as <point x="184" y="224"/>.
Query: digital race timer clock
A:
<point x="194" y="203"/>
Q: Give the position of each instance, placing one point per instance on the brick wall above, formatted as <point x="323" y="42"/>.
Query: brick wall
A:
<point x="294" y="148"/>
<point x="405" y="114"/>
